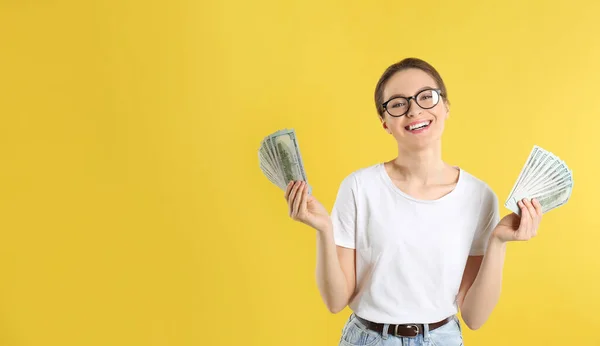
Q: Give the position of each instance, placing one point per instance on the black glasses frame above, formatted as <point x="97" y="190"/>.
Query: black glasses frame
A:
<point x="415" y="97"/>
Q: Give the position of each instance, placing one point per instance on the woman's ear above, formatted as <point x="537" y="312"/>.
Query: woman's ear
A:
<point x="383" y="123"/>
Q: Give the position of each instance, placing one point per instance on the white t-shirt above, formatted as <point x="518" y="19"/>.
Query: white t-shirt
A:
<point x="410" y="253"/>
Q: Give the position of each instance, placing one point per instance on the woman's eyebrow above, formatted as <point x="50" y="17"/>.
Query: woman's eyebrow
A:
<point x="418" y="91"/>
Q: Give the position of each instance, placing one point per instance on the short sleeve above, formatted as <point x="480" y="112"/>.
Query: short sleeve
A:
<point x="489" y="217"/>
<point x="343" y="214"/>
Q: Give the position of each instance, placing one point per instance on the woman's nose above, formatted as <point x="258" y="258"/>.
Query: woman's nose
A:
<point x="413" y="109"/>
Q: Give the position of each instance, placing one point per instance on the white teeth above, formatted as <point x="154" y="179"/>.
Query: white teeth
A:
<point x="421" y="124"/>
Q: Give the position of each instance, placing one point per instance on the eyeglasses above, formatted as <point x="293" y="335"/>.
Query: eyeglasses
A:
<point x="426" y="99"/>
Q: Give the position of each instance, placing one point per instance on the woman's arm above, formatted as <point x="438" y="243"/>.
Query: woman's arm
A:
<point x="482" y="280"/>
<point x="335" y="272"/>
<point x="335" y="269"/>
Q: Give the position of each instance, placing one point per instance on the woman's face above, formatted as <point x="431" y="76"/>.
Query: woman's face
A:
<point x="408" y="83"/>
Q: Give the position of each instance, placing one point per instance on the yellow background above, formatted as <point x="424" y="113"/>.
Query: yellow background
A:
<point x="133" y="210"/>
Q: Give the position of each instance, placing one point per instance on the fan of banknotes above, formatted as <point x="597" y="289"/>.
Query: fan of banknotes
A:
<point x="544" y="177"/>
<point x="280" y="159"/>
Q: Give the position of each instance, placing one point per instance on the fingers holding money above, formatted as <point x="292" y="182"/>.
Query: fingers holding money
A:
<point x="297" y="201"/>
<point x="523" y="230"/>
<point x="530" y="219"/>
<point x="288" y="189"/>
<point x="538" y="209"/>
<point x="293" y="195"/>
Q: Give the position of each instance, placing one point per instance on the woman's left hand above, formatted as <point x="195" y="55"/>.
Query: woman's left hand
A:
<point x="515" y="228"/>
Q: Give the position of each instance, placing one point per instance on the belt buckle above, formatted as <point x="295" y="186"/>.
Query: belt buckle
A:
<point x="414" y="326"/>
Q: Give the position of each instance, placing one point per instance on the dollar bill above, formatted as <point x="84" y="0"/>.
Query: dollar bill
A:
<point x="544" y="177"/>
<point x="281" y="160"/>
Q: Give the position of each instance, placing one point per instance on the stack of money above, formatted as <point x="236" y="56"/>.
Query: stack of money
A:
<point x="280" y="159"/>
<point x="544" y="177"/>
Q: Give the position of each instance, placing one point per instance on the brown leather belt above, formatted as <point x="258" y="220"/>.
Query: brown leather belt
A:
<point x="405" y="330"/>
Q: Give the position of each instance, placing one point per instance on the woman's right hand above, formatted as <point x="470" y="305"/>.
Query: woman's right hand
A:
<point x="305" y="208"/>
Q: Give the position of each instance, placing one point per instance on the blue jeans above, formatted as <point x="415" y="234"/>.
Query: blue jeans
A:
<point x="356" y="334"/>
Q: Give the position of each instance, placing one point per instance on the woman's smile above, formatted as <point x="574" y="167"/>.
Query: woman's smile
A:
<point x="419" y="126"/>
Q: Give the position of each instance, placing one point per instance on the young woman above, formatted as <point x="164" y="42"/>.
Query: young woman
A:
<point x="413" y="240"/>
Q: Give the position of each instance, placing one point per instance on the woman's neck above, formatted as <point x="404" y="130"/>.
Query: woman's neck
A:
<point x="420" y="167"/>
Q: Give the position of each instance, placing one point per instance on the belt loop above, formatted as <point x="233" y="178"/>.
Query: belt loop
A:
<point x="384" y="333"/>
<point x="425" y="332"/>
<point x="455" y="317"/>
<point x="348" y="321"/>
